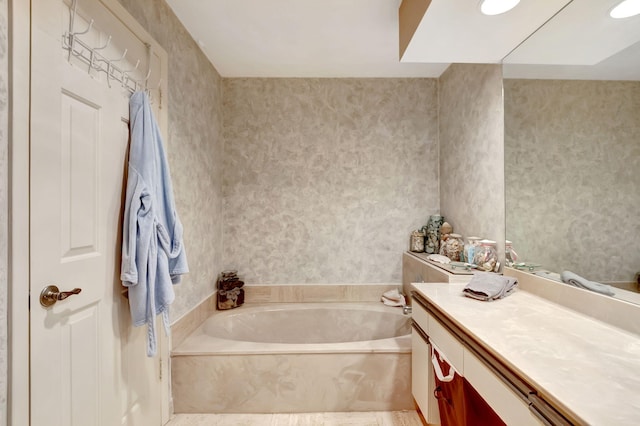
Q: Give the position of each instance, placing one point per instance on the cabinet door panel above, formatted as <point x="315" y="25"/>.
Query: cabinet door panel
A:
<point x="420" y="363"/>
<point x="422" y="379"/>
<point x="512" y="409"/>
<point x="449" y="346"/>
<point x="420" y="316"/>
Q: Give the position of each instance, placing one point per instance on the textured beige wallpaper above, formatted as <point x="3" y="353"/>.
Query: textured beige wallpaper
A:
<point x="194" y="148"/>
<point x="472" y="151"/>
<point x="572" y="173"/>
<point x="4" y="185"/>
<point x="325" y="178"/>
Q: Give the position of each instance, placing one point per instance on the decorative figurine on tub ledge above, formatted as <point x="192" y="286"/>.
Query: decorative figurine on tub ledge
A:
<point x="230" y="291"/>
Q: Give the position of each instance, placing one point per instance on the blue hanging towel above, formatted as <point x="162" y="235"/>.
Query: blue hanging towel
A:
<point x="153" y="255"/>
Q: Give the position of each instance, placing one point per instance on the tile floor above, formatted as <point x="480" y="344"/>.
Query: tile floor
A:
<point x="380" y="418"/>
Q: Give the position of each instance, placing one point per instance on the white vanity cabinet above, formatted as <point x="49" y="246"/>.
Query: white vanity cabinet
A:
<point x="422" y="378"/>
<point x="532" y="360"/>
<point x="505" y="401"/>
<point x="508" y="398"/>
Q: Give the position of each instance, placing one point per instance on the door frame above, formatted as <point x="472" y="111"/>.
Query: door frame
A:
<point x="20" y="93"/>
<point x="19" y="16"/>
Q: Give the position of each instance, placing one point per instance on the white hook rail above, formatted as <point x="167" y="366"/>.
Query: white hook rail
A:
<point x="97" y="62"/>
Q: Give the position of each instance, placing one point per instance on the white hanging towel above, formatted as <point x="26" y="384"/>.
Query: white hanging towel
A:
<point x="153" y="255"/>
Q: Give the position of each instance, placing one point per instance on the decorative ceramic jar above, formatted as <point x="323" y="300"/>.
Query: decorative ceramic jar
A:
<point x="485" y="257"/>
<point x="230" y="291"/>
<point x="432" y="241"/>
<point x="452" y="247"/>
<point x="416" y="242"/>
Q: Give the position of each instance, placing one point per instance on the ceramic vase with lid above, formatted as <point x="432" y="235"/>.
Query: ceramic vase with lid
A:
<point x="230" y="291"/>
<point x="432" y="239"/>
<point x="453" y="246"/>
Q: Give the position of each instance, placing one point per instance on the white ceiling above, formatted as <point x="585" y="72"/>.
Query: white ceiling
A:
<point x="300" y="38"/>
<point x="359" y="38"/>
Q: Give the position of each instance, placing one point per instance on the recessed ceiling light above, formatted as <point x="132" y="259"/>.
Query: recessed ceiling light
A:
<point x="496" y="7"/>
<point x="625" y="9"/>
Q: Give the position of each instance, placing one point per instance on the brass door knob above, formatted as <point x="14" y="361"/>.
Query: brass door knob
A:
<point x="51" y="294"/>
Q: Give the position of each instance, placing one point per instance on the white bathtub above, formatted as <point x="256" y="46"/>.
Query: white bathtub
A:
<point x="303" y="357"/>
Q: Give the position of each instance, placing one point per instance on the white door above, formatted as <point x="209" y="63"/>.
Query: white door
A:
<point x="88" y="365"/>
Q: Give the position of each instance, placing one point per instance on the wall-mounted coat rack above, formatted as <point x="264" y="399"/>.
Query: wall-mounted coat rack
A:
<point x="96" y="61"/>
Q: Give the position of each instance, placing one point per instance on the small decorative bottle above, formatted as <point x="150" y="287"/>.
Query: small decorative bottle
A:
<point x="432" y="241"/>
<point x="416" y="242"/>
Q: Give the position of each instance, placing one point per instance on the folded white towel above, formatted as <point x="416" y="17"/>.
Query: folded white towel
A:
<point x="393" y="298"/>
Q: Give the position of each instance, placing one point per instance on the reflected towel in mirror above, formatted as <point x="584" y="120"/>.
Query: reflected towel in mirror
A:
<point x="576" y="280"/>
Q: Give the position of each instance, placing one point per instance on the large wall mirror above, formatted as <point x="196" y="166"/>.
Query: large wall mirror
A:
<point x="572" y="146"/>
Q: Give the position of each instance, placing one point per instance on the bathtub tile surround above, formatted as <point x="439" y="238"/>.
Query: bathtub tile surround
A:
<point x="324" y="179"/>
<point x="317" y="293"/>
<point x="372" y="418"/>
<point x="588" y="145"/>
<point x="190" y="321"/>
<point x="194" y="148"/>
<point x="289" y="383"/>
<point x="4" y="185"/>
<point x="296" y="358"/>
<point x="472" y="151"/>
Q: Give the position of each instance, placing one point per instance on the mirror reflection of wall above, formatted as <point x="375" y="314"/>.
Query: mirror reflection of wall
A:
<point x="572" y="147"/>
<point x="572" y="172"/>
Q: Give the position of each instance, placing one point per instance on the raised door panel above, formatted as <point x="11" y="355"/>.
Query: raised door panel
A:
<point x="79" y="168"/>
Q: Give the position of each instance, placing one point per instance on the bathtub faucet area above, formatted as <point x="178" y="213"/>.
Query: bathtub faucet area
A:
<point x="406" y="309"/>
<point x="396" y="298"/>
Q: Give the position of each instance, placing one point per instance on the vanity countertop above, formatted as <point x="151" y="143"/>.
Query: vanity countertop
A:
<point x="583" y="365"/>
